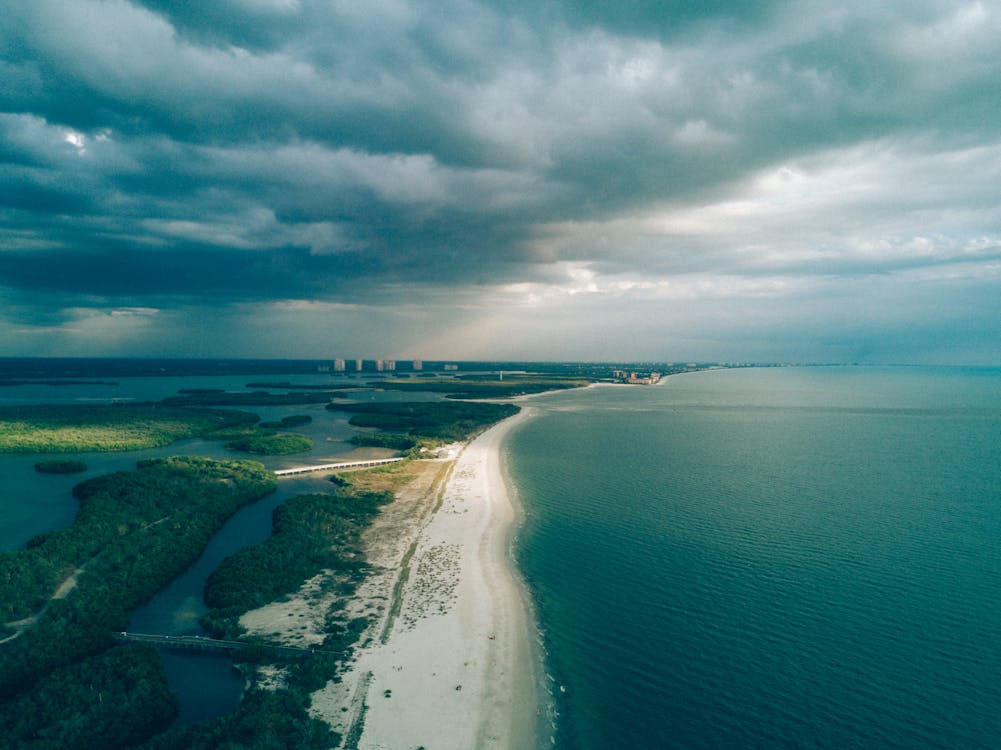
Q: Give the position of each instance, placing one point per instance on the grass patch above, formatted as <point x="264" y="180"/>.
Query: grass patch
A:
<point x="386" y="478"/>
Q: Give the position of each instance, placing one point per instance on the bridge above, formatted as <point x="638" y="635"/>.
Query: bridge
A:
<point x="337" y="467"/>
<point x="201" y="643"/>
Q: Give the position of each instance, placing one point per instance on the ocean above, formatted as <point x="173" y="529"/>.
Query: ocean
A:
<point x="768" y="558"/>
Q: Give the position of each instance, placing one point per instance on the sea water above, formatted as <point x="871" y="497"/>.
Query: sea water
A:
<point x="769" y="558"/>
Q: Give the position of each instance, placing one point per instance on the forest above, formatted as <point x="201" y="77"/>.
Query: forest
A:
<point x="73" y="428"/>
<point x="64" y="682"/>
<point x="446" y="420"/>
<point x="479" y="387"/>
<point x="271" y="444"/>
<point x="60" y="466"/>
<point x="65" y="594"/>
<point x="311" y="533"/>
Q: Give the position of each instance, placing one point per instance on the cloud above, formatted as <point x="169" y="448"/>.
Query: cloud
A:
<point x="199" y="159"/>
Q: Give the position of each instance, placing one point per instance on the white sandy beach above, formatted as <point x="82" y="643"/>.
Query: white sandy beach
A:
<point x="451" y="665"/>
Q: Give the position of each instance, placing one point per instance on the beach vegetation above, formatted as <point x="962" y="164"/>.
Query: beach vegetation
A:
<point x="310" y="533"/>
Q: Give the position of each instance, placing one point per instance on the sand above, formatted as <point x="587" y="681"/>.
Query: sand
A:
<point x="448" y="662"/>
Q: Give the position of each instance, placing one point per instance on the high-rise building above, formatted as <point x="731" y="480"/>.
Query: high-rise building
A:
<point x="358" y="365"/>
<point x="379" y="365"/>
<point x="418" y="365"/>
<point x="339" y="365"/>
<point x="390" y="364"/>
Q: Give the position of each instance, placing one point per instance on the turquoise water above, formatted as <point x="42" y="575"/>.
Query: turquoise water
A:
<point x="778" y="558"/>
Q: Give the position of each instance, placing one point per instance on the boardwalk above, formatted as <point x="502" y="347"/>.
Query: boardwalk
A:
<point x="336" y="467"/>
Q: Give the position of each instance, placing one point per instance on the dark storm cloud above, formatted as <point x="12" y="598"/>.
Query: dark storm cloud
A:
<point x="173" y="154"/>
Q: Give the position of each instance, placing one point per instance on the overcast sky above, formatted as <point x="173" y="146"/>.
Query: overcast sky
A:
<point x="777" y="180"/>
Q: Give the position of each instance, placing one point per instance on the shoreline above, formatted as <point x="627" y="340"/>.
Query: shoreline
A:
<point x="456" y="662"/>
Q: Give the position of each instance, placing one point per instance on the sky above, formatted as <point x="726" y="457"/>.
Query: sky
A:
<point x="783" y="180"/>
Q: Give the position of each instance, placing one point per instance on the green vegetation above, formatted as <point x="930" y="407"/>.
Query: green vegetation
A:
<point x="270" y="444"/>
<point x="446" y="420"/>
<point x="311" y="533"/>
<point x="264" y="720"/>
<point x="233" y="433"/>
<point x="73" y="428"/>
<point x="135" y="531"/>
<point x="295" y="420"/>
<point x="110" y="700"/>
<point x="257" y="398"/>
<point x="391" y="440"/>
<point x="514" y="385"/>
<point x="60" y="466"/>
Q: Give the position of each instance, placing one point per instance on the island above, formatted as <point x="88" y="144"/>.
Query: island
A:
<point x="356" y="580"/>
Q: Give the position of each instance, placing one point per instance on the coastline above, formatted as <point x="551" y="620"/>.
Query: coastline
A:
<point x="455" y="663"/>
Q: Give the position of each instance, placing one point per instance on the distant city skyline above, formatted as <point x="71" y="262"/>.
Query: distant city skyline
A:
<point x="787" y="181"/>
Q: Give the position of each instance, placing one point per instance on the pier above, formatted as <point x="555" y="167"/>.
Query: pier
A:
<point x="337" y="467"/>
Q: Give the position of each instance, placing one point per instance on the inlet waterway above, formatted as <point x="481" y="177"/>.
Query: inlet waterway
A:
<point x="206" y="684"/>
